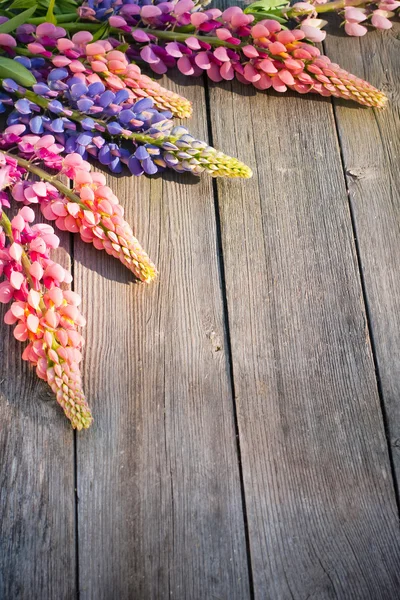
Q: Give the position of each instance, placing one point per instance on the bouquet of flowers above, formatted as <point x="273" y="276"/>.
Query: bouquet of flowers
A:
<point x="73" y="91"/>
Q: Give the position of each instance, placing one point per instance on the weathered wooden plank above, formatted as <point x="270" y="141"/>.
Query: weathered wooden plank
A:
<point x="370" y="143"/>
<point x="318" y="487"/>
<point x="160" y="512"/>
<point x="37" y="504"/>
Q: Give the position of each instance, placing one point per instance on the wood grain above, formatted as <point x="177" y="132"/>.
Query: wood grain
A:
<point x="370" y="142"/>
<point x="318" y="487"/>
<point x="37" y="505"/>
<point x="160" y="513"/>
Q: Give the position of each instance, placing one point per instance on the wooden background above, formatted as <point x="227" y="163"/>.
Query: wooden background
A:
<point x="246" y="441"/>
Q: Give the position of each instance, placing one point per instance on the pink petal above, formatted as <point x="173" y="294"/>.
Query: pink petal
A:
<point x="354" y="15"/>
<point x="16" y="280"/>
<point x="32" y="323"/>
<point x="193" y="43"/>
<point x="230" y="12"/>
<point x="36" y="270"/>
<point x="222" y="54"/>
<point x="7" y="40"/>
<point x="354" y="29"/>
<point x="227" y="71"/>
<point x="198" y="18"/>
<point x="173" y="49"/>
<point x="251" y="74"/>
<point x="183" y="6"/>
<point x="276" y="48"/>
<point x="379" y="21"/>
<point x="16" y="251"/>
<point x="81" y="37"/>
<point x="272" y="25"/>
<point x="312" y="33"/>
<point x="278" y="85"/>
<point x="21" y="332"/>
<point x="267" y="66"/>
<point x="250" y="52"/>
<point x="150" y="11"/>
<point x="223" y="34"/>
<point x="286" y="77"/>
<point x="6" y="292"/>
<point x="185" y="66"/>
<point x="202" y="60"/>
<point x="214" y="73"/>
<point x="148" y="55"/>
<point x="140" y="36"/>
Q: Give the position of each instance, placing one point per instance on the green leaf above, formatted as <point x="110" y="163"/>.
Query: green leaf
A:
<point x="16" y="71"/>
<point x="50" y="18"/>
<point x="15" y="22"/>
<point x="22" y="4"/>
<point x="102" y="32"/>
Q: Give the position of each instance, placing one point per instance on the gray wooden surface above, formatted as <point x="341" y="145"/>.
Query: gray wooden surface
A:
<point x="247" y="421"/>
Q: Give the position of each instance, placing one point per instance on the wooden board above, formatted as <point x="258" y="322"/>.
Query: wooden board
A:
<point x="37" y="503"/>
<point x="160" y="509"/>
<point x="370" y="143"/>
<point x="318" y="487"/>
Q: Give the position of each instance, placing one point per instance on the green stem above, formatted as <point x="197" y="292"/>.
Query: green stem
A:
<point x="177" y="36"/>
<point x="338" y="5"/>
<point x="60" y="19"/>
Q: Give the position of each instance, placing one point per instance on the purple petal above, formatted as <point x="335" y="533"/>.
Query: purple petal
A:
<point x="135" y="166"/>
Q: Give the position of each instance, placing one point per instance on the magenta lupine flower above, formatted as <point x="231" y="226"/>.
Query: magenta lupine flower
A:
<point x="43" y="315"/>
<point x="263" y="55"/>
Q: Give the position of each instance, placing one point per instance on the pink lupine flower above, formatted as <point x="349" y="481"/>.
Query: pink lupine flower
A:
<point x="43" y="315"/>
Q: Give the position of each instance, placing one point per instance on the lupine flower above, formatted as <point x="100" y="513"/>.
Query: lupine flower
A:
<point x="152" y="151"/>
<point x="188" y="154"/>
<point x="92" y="210"/>
<point x="43" y="315"/>
<point x="266" y="56"/>
<point x="78" y="56"/>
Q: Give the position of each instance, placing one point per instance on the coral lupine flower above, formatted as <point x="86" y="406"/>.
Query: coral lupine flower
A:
<point x="44" y="315"/>
<point x="93" y="211"/>
<point x="104" y="226"/>
<point x="50" y="324"/>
